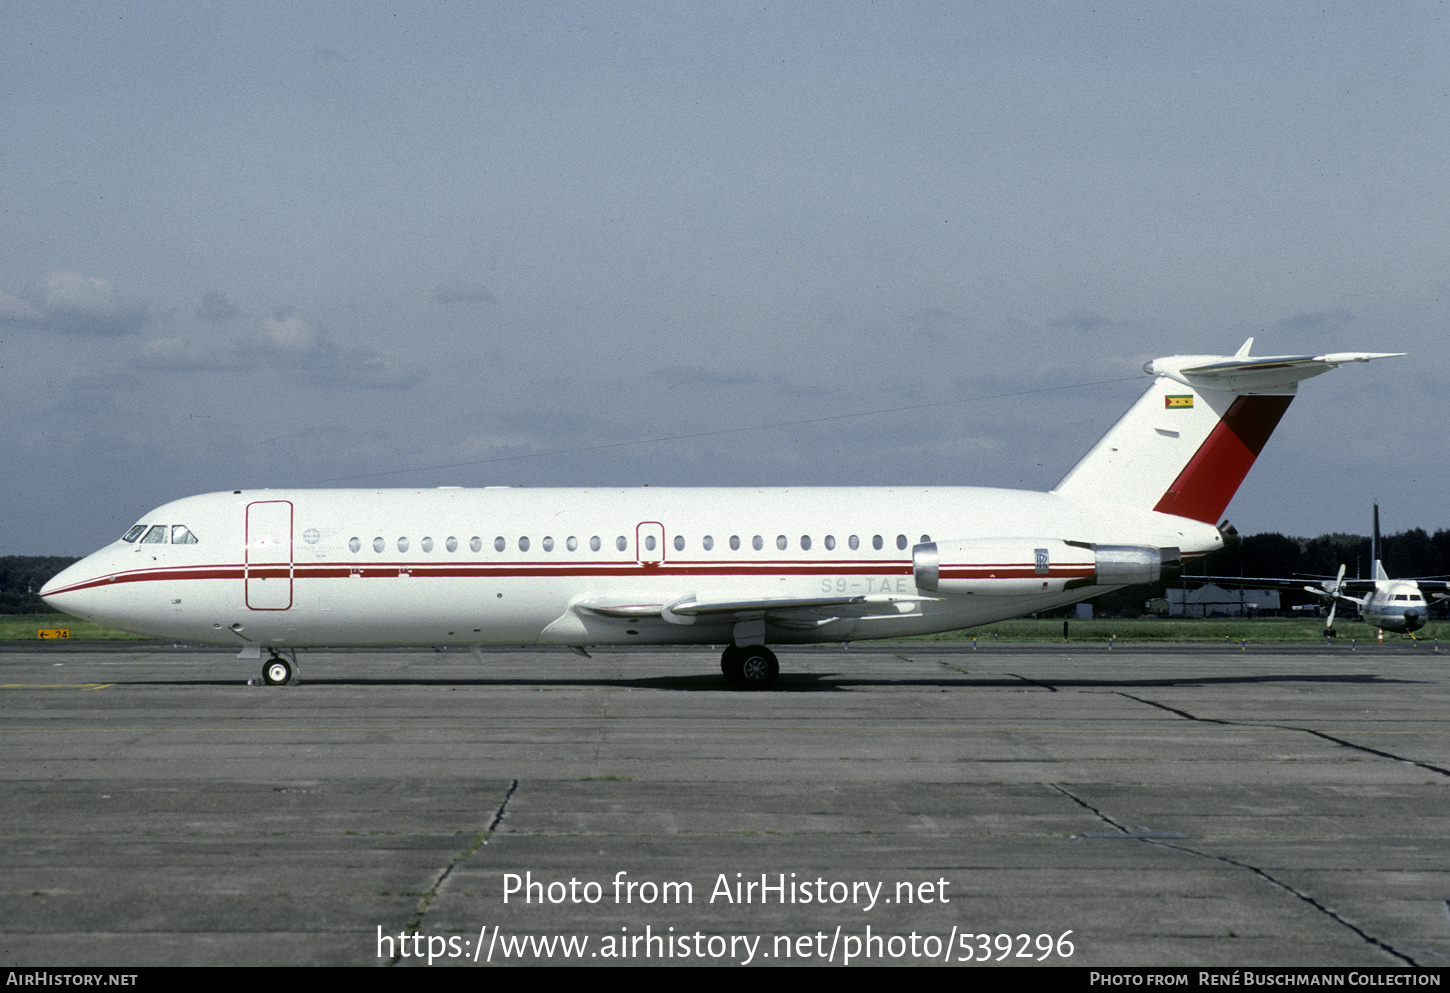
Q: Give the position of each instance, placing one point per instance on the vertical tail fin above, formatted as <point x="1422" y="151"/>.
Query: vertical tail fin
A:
<point x="1190" y="440"/>
<point x="1376" y="550"/>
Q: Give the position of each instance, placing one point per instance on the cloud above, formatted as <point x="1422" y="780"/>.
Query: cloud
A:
<point x="357" y="368"/>
<point x="291" y="341"/>
<point x="284" y="333"/>
<point x="216" y="308"/>
<point x="1081" y="320"/>
<point x="459" y="291"/>
<point x="323" y="55"/>
<point x="185" y="354"/>
<point x="74" y="304"/>
<point x="936" y="325"/>
<point x="14" y="310"/>
<point x="1318" y="320"/>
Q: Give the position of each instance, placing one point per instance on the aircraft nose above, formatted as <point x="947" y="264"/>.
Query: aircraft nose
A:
<point x="1413" y="620"/>
<point x="66" y="590"/>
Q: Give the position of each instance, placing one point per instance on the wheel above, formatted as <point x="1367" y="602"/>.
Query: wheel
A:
<point x="758" y="667"/>
<point x="731" y="666"/>
<point x="276" y="672"/>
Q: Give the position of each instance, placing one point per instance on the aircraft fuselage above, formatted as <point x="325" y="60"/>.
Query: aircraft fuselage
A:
<point x="452" y="566"/>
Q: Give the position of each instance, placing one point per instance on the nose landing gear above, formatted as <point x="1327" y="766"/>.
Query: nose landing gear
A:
<point x="277" y="671"/>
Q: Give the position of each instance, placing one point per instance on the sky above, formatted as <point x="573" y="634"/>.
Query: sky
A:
<point x="708" y="244"/>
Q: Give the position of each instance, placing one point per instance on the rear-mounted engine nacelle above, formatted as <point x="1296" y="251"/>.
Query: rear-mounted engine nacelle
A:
<point x="1023" y="566"/>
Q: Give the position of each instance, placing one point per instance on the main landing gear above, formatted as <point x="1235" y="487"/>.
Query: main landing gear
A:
<point x="276" y="671"/>
<point x="751" y="667"/>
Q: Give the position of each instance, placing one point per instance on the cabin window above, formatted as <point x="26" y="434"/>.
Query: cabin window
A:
<point x="782" y="542"/>
<point x="594" y="543"/>
<point x="572" y="544"/>
<point x="499" y="544"/>
<point x="523" y="544"/>
<point x="475" y="543"/>
<point x="708" y="542"/>
<point x="649" y="542"/>
<point x="181" y="536"/>
<point x="926" y="539"/>
<point x="134" y="533"/>
<point x="621" y="543"/>
<point x="757" y="543"/>
<point x="379" y="544"/>
<point x="805" y="543"/>
<point x="402" y="544"/>
<point x="548" y="543"/>
<point x="354" y="544"/>
<point x="901" y="541"/>
<point x="830" y="543"/>
<point x="679" y="543"/>
<point x="451" y="544"/>
<point x="156" y="536"/>
<point x="855" y="542"/>
<point x="427" y="544"/>
<point x="876" y="542"/>
<point x="735" y="542"/>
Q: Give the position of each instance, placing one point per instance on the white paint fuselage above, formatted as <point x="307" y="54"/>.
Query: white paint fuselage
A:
<point x="281" y="568"/>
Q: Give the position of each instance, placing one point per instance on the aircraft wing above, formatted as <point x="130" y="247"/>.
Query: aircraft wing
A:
<point x="686" y="609"/>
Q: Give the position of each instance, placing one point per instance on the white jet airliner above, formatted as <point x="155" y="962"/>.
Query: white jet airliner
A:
<point x="286" y="569"/>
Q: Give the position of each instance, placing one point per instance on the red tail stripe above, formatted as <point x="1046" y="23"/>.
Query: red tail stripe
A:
<point x="1206" y="485"/>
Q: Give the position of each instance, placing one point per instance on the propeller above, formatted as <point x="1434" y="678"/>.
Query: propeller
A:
<point x="1334" y="603"/>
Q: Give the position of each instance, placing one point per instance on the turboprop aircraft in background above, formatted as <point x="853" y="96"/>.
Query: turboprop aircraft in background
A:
<point x="1387" y="604"/>
<point x="283" y="570"/>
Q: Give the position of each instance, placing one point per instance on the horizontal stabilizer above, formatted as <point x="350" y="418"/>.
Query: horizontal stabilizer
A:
<point x="1242" y="373"/>
<point x="1186" y="445"/>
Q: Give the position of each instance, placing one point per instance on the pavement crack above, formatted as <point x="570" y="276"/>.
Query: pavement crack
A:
<point x="1089" y="807"/>
<point x="1372" y="751"/>
<point x="1428" y="767"/>
<point x="941" y="662"/>
<point x="1034" y="682"/>
<point x="1174" y="710"/>
<point x="1262" y="874"/>
<point x="479" y="840"/>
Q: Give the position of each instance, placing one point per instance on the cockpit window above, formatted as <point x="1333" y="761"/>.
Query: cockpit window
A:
<point x="156" y="536"/>
<point x="134" y="533"/>
<point x="181" y="536"/>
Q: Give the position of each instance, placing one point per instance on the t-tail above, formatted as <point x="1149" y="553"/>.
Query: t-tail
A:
<point x="1377" y="550"/>
<point x="1190" y="440"/>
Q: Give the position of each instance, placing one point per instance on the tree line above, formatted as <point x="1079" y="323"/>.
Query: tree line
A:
<point x="1408" y="554"/>
<point x="22" y="576"/>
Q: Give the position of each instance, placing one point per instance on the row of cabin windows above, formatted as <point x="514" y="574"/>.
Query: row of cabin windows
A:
<point x="161" y="534"/>
<point x="621" y="543"/>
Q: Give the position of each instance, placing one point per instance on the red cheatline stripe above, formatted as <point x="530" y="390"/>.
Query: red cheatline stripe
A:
<point x="605" y="570"/>
<point x="1211" y="478"/>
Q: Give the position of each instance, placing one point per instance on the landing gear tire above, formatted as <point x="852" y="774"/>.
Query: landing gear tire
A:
<point x="753" y="667"/>
<point x="276" y="672"/>
<point x="731" y="667"/>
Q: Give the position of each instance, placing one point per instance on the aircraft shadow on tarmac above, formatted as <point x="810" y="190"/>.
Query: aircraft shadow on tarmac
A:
<point x="828" y="682"/>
